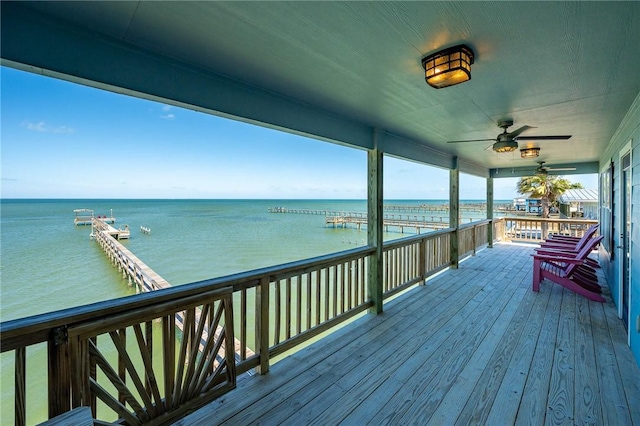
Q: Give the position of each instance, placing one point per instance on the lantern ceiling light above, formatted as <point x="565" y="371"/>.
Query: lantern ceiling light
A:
<point x="448" y="67"/>
<point x="529" y="152"/>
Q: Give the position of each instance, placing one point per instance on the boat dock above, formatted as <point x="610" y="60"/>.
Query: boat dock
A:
<point x="86" y="216"/>
<point x="142" y="276"/>
<point x="101" y="224"/>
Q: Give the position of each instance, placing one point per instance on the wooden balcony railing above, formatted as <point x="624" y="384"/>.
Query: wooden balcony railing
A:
<point x="127" y="360"/>
<point x="535" y="229"/>
<point x="471" y="236"/>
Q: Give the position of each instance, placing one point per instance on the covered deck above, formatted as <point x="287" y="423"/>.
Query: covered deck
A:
<point x="473" y="346"/>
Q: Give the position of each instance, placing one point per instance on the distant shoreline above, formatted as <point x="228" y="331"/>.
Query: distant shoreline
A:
<point x="412" y="200"/>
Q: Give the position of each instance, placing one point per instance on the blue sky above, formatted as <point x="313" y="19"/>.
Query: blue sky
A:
<point x="64" y="140"/>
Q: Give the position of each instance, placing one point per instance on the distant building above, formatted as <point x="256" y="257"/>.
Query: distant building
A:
<point x="520" y="204"/>
<point x="582" y="203"/>
<point x="528" y="204"/>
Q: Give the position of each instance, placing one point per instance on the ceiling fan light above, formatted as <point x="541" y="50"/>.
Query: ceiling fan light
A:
<point x="448" y="67"/>
<point x="505" y="146"/>
<point x="529" y="152"/>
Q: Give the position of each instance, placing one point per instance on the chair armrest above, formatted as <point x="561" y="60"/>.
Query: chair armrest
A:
<point x="564" y="237"/>
<point x="554" y="258"/>
<point x="556" y="252"/>
<point x="557" y="244"/>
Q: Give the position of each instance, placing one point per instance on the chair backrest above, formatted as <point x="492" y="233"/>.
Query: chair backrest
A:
<point x="582" y="255"/>
<point x="586" y="237"/>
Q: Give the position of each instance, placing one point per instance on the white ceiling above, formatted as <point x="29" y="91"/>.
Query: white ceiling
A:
<point x="563" y="67"/>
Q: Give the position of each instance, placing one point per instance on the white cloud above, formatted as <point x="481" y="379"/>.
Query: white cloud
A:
<point x="168" y="115"/>
<point x="41" y="126"/>
<point x="36" y="127"/>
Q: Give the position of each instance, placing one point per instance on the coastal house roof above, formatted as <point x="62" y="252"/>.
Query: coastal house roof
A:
<point x="579" y="196"/>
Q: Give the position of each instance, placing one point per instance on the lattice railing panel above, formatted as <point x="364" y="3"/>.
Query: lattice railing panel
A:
<point x="114" y="360"/>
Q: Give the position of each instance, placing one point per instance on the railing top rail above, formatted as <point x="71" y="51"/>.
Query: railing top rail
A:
<point x="415" y="238"/>
<point x="549" y="219"/>
<point x="476" y="223"/>
<point x="147" y="313"/>
<point x="35" y="329"/>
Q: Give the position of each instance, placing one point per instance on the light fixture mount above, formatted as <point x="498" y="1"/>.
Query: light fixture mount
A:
<point x="529" y="152"/>
<point x="448" y="67"/>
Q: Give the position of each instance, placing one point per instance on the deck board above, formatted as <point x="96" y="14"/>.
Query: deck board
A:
<point x="473" y="346"/>
<point x="560" y="405"/>
<point x="587" y="394"/>
<point x="495" y="399"/>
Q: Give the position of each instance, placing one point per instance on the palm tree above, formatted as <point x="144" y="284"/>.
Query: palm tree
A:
<point x="548" y="188"/>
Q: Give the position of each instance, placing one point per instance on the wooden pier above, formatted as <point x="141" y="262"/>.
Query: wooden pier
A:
<point x="427" y="209"/>
<point x="392" y="221"/>
<point x="146" y="279"/>
<point x="358" y="221"/>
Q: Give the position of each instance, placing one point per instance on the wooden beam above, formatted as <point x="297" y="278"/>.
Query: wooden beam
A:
<point x="375" y="226"/>
<point x="490" y="210"/>
<point x="454" y="208"/>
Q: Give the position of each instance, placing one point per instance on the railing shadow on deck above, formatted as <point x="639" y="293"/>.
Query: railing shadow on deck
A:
<point x="270" y="310"/>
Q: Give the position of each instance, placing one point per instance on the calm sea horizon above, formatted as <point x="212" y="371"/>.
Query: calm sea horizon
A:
<point x="47" y="263"/>
<point x="45" y="258"/>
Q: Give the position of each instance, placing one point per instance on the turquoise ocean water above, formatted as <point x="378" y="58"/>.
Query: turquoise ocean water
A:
<point x="47" y="263"/>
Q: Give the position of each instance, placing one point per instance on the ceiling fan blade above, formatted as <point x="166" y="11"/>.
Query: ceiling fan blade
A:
<point x="472" y="140"/>
<point x="520" y="130"/>
<point x="561" y="169"/>
<point x="541" y="138"/>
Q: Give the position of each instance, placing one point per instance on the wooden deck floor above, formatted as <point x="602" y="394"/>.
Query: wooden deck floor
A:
<point x="474" y="346"/>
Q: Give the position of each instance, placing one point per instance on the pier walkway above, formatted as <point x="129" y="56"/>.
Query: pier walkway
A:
<point x="403" y="218"/>
<point x="480" y="208"/>
<point x="358" y="221"/>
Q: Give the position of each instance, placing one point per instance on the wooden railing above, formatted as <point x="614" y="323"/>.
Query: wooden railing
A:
<point x="535" y="229"/>
<point x="87" y="340"/>
<point x="413" y="259"/>
<point x="472" y="236"/>
<point x="271" y="310"/>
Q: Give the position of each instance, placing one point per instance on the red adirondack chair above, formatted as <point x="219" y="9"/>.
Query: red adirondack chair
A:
<point x="564" y="269"/>
<point x="568" y="239"/>
<point x="571" y="245"/>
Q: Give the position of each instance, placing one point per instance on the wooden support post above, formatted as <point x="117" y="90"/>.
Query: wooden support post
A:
<point x="454" y="207"/>
<point x="474" y="241"/>
<point x="262" y="325"/>
<point x="375" y="226"/>
<point x="59" y="374"/>
<point x="490" y="235"/>
<point x="20" y="414"/>
<point x="422" y="260"/>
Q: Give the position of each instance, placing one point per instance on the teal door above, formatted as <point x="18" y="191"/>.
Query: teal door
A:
<point x="626" y="236"/>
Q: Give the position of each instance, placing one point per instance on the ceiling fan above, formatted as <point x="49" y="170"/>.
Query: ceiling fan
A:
<point x="508" y="141"/>
<point x="543" y="170"/>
